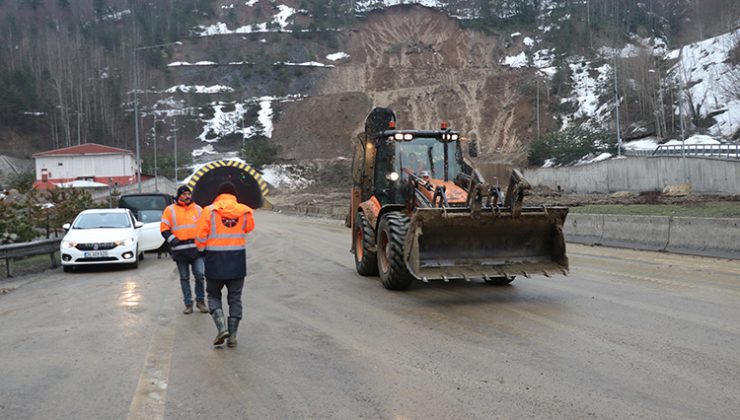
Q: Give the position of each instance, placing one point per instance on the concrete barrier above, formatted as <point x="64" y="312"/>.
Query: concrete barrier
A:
<point x="584" y="228"/>
<point x="648" y="232"/>
<point x="681" y="235"/>
<point x="701" y="236"/>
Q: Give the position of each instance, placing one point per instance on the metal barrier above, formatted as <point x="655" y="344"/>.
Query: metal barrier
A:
<point x="724" y="151"/>
<point x="637" y="152"/>
<point x="28" y="249"/>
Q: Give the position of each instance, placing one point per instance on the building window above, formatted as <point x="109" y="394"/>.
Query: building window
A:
<point x="60" y="164"/>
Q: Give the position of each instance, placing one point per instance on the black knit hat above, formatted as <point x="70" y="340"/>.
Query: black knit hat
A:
<point x="181" y="189"/>
<point x="226" y="188"/>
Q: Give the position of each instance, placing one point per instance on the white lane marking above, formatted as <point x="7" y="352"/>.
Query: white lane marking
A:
<point x="149" y="398"/>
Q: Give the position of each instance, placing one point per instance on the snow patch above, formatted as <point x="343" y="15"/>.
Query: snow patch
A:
<point x="337" y="56"/>
<point x="200" y="89"/>
<point x="286" y="176"/>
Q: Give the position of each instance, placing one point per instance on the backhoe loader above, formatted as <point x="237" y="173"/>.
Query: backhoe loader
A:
<point x="421" y="210"/>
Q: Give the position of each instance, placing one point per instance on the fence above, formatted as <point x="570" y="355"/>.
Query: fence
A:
<point x="722" y="151"/>
<point x="28" y="249"/>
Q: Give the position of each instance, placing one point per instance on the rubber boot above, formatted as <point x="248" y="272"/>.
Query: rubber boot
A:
<point x="223" y="332"/>
<point x="233" y="327"/>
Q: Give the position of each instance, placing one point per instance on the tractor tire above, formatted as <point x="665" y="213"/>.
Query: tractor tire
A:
<point x="500" y="281"/>
<point x="366" y="260"/>
<point x="392" y="268"/>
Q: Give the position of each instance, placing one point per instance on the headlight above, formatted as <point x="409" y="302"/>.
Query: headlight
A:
<point x="125" y="242"/>
<point x="68" y="244"/>
<point x="392" y="176"/>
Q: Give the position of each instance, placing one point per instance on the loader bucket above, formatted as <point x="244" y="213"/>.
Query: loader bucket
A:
<point x="456" y="243"/>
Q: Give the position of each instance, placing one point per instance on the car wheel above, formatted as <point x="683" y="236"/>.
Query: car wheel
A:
<point x="135" y="264"/>
<point x="68" y="268"/>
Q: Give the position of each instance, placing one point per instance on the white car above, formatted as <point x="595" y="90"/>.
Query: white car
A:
<point x="105" y="236"/>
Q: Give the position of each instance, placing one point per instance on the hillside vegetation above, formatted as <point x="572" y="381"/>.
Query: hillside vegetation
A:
<point x="297" y="78"/>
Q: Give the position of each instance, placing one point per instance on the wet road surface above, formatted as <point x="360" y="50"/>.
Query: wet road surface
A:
<point x="626" y="334"/>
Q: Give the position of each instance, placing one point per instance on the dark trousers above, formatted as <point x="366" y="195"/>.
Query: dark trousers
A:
<point x="233" y="297"/>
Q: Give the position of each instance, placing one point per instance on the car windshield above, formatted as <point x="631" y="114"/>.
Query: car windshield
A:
<point x="144" y="202"/>
<point x="149" y="216"/>
<point x="102" y="220"/>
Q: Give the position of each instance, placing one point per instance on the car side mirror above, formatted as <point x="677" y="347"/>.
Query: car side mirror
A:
<point x="138" y="225"/>
<point x="66" y="226"/>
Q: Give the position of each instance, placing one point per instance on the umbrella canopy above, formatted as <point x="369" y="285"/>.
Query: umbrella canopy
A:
<point x="250" y="187"/>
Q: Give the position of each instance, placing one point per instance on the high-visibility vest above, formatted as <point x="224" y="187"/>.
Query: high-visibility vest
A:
<point x="219" y="232"/>
<point x="181" y="221"/>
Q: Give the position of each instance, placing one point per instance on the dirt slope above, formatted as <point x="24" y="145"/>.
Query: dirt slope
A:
<point x="422" y="64"/>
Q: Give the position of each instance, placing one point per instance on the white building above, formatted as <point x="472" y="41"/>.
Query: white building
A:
<point x="86" y="162"/>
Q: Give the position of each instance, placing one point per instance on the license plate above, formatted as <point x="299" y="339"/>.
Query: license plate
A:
<point x="94" y="254"/>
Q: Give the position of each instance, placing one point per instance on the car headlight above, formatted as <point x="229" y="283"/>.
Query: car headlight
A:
<point x="68" y="244"/>
<point x="125" y="242"/>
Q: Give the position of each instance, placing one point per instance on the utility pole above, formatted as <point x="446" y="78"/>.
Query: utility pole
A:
<point x="616" y="99"/>
<point x="681" y="119"/>
<point x="136" y="121"/>
<point x="174" y="134"/>
<point x="78" y="128"/>
<point x="136" y="102"/>
<point x="154" y="133"/>
<point x="538" y="106"/>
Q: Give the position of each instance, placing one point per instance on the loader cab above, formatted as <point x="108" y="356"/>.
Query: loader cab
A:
<point x="403" y="154"/>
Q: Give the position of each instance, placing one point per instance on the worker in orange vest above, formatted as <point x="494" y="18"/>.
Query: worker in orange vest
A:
<point x="221" y="235"/>
<point x="178" y="229"/>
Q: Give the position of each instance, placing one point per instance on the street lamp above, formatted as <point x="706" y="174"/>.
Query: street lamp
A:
<point x="136" y="104"/>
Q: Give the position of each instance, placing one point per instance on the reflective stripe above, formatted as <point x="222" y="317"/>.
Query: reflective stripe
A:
<point x="224" y="248"/>
<point x="180" y="227"/>
<point x="186" y="246"/>
<point x="166" y="222"/>
<point x="171" y="238"/>
<point x="244" y="225"/>
<point x="227" y="235"/>
<point x="201" y="239"/>
<point x="213" y="223"/>
<point x="174" y="215"/>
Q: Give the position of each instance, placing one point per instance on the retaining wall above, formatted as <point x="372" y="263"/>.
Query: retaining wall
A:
<point x="637" y="174"/>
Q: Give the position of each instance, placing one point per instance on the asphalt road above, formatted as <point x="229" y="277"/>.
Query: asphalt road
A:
<point x="626" y="334"/>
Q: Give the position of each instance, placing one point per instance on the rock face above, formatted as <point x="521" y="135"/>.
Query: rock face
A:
<point x="424" y="66"/>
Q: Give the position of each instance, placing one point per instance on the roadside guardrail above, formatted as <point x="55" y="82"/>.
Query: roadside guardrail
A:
<point x="722" y="151"/>
<point x="27" y="249"/>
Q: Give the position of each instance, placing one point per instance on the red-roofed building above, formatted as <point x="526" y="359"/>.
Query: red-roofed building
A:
<point x="85" y="162"/>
